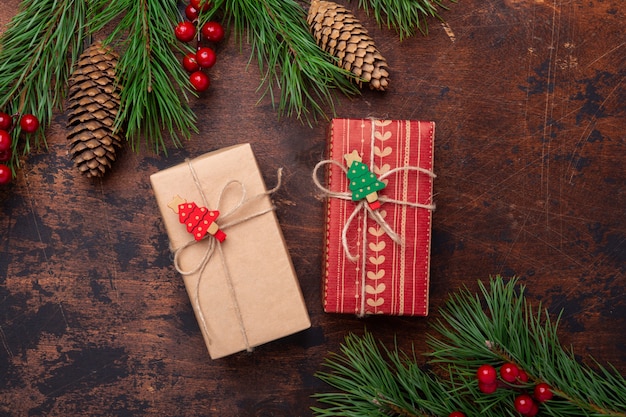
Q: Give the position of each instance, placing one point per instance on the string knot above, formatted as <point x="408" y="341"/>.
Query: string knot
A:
<point x="362" y="205"/>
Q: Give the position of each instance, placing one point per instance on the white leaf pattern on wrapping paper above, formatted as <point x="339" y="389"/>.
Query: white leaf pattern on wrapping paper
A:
<point x="377" y="247"/>
<point x="375" y="290"/>
<point x="376" y="231"/>
<point x="377" y="260"/>
<point x="382" y="170"/>
<point x="382" y="136"/>
<point x="376" y="274"/>
<point x="382" y="153"/>
<point x="375" y="303"/>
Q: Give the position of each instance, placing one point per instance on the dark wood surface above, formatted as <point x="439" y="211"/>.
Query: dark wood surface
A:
<point x="529" y="100"/>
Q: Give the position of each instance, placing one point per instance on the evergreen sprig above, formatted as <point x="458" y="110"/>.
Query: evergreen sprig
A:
<point x="405" y="16"/>
<point x="288" y="57"/>
<point x="494" y="327"/>
<point x="154" y="85"/>
<point x="374" y="381"/>
<point x="37" y="52"/>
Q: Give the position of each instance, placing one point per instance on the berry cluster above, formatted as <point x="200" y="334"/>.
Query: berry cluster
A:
<point x="204" y="57"/>
<point x="28" y="124"/>
<point x="510" y="373"/>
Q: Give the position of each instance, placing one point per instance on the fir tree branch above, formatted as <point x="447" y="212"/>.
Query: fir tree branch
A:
<point x="497" y="325"/>
<point x="288" y="57"/>
<point x="509" y="330"/>
<point x="37" y="52"/>
<point x="405" y="16"/>
<point x="379" y="382"/>
<point x="148" y="70"/>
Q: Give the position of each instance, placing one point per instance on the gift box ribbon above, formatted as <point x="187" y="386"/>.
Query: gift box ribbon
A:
<point x="215" y="244"/>
<point x="375" y="215"/>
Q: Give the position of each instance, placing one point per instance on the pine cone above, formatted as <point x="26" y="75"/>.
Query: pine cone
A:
<point x="93" y="104"/>
<point x="338" y="32"/>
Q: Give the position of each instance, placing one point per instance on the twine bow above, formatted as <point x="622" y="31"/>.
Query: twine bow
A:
<point x="214" y="244"/>
<point x="369" y="213"/>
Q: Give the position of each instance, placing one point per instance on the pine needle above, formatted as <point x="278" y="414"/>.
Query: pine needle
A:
<point x="405" y="16"/>
<point x="37" y="52"/>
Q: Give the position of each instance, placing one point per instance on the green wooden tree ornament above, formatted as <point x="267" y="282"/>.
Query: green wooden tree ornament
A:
<point x="363" y="183"/>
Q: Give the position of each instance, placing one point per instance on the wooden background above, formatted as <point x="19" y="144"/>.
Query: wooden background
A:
<point x="529" y="100"/>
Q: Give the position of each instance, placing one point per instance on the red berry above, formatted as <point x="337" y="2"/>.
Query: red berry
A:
<point x="486" y="374"/>
<point x="543" y="392"/>
<point x="213" y="31"/>
<point x="524" y="404"/>
<point x="5" y="141"/>
<point x="185" y="31"/>
<point x="522" y="377"/>
<point x="200" y="81"/>
<point x="189" y="62"/>
<point x="533" y="411"/>
<point x="6" y="155"/>
<point x="205" y="57"/>
<point x="6" y="121"/>
<point x="5" y="174"/>
<point x="191" y="12"/>
<point x="487" y="388"/>
<point x="509" y="372"/>
<point x="456" y="414"/>
<point x="29" y="123"/>
<point x="201" y="5"/>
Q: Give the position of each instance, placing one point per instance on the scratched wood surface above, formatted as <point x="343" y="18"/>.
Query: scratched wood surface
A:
<point x="529" y="100"/>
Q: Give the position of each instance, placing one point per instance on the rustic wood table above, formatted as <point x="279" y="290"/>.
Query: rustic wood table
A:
<point x="530" y="104"/>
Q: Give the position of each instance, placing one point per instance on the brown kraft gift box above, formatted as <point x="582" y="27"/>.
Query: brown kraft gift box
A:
<point x="244" y="290"/>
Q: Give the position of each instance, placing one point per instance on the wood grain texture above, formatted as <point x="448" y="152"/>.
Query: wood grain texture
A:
<point x="529" y="101"/>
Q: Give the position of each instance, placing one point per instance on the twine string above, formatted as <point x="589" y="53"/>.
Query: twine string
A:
<point x="213" y="244"/>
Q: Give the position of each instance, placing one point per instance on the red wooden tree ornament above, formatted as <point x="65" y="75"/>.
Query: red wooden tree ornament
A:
<point x="199" y="220"/>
